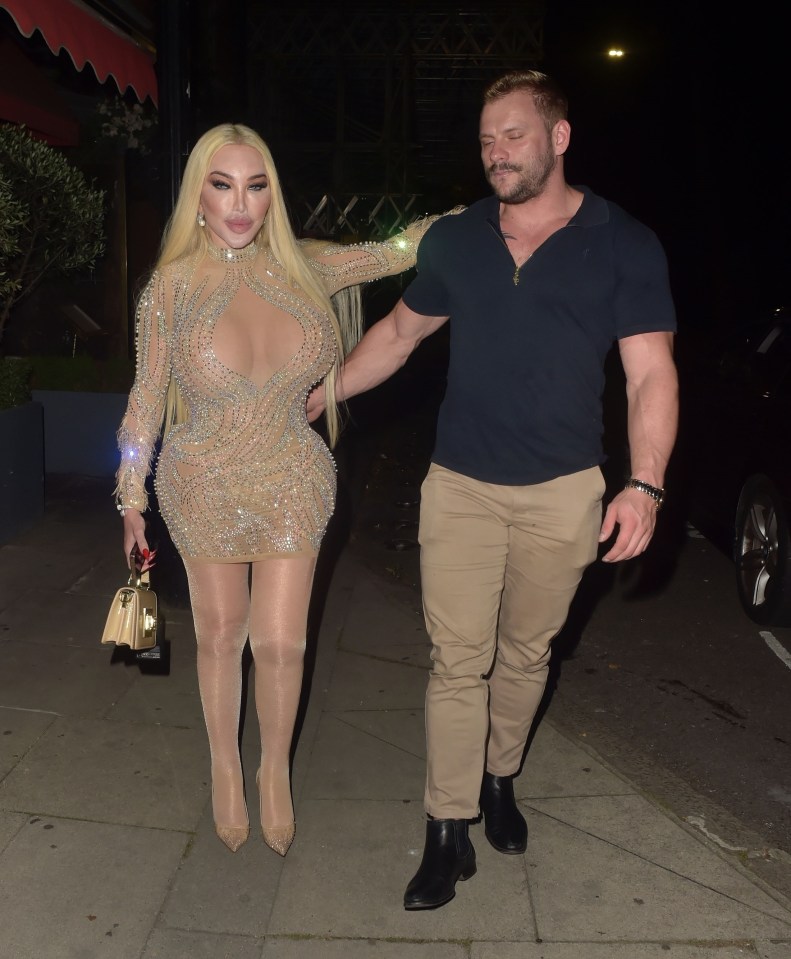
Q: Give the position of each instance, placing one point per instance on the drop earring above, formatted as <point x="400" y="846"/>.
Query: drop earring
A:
<point x="201" y="219"/>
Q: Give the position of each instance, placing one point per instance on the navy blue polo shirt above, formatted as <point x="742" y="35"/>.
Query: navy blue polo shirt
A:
<point x="523" y="402"/>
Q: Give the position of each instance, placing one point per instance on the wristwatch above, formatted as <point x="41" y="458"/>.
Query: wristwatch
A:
<point x="655" y="492"/>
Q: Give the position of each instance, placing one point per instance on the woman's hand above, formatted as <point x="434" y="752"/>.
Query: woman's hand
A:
<point x="135" y="539"/>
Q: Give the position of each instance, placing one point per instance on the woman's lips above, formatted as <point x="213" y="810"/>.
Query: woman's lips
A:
<point x="239" y="226"/>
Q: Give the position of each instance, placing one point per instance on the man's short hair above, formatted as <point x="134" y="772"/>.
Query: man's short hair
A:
<point x="549" y="99"/>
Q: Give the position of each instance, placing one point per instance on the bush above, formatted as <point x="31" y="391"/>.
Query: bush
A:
<point x="82" y="373"/>
<point x="11" y="215"/>
<point x="15" y="376"/>
<point x="52" y="218"/>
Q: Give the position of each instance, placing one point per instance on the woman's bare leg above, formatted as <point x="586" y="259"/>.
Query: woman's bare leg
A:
<point x="220" y="598"/>
<point x="278" y="621"/>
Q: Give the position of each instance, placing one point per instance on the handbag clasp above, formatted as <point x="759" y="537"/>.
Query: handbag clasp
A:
<point x="127" y="595"/>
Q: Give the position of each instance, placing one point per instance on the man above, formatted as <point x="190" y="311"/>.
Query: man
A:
<point x="538" y="280"/>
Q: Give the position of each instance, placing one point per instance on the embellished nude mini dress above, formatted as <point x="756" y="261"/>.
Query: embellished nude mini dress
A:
<point x="245" y="476"/>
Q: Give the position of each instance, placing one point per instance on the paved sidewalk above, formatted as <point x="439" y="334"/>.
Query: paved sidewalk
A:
<point x="106" y="842"/>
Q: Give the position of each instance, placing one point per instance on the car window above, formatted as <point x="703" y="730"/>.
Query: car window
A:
<point x="773" y="358"/>
<point x="782" y="389"/>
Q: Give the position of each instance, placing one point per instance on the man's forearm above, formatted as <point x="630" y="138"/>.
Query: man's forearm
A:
<point x="375" y="358"/>
<point x="653" y="424"/>
<point x="382" y="351"/>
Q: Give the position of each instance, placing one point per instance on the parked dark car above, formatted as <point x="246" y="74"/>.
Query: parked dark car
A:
<point x="734" y="455"/>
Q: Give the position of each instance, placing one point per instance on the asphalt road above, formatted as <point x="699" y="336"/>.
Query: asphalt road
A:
<point x="658" y="668"/>
<point x="669" y="680"/>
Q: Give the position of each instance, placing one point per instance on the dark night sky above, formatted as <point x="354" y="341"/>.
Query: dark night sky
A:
<point x="686" y="132"/>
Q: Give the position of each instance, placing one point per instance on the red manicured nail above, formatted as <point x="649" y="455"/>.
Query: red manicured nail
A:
<point x="145" y="552"/>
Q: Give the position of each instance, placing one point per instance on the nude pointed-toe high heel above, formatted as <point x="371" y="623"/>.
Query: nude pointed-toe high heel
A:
<point x="278" y="838"/>
<point x="232" y="836"/>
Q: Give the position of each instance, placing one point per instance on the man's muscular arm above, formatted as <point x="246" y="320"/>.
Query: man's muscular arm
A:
<point x="383" y="350"/>
<point x="652" y="394"/>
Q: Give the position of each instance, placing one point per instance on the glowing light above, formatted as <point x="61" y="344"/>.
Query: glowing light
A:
<point x="615" y="52"/>
<point x="402" y="243"/>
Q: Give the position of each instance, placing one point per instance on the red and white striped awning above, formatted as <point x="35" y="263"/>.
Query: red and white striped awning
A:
<point x="88" y="38"/>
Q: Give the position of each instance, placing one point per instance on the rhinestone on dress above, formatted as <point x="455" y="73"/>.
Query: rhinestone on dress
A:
<point x="227" y="255"/>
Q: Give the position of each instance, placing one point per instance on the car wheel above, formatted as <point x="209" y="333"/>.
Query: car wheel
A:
<point x="762" y="552"/>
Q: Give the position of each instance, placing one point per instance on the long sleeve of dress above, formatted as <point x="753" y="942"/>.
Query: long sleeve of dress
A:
<point x="142" y="422"/>
<point x="347" y="265"/>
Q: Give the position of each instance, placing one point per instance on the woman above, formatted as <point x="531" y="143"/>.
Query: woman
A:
<point x="234" y="328"/>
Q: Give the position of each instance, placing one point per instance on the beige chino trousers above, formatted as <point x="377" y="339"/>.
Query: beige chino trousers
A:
<point x="499" y="569"/>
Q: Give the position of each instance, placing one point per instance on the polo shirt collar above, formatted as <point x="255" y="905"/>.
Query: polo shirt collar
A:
<point x="593" y="210"/>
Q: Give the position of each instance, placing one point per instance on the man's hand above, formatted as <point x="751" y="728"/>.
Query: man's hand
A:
<point x="634" y="513"/>
<point x="316" y="403"/>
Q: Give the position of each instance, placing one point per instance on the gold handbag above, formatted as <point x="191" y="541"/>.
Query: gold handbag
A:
<point x="132" y="620"/>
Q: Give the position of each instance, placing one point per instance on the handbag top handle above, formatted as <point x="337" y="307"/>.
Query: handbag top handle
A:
<point x="139" y="580"/>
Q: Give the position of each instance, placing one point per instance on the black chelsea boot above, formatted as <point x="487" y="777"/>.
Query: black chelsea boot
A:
<point x="447" y="857"/>
<point x="505" y="826"/>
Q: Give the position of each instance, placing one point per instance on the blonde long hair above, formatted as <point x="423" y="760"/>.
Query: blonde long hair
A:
<point x="183" y="237"/>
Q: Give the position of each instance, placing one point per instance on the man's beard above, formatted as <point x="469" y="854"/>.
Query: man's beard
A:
<point x="530" y="182"/>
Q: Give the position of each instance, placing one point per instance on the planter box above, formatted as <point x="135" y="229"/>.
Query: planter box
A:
<point x="80" y="431"/>
<point x="21" y="468"/>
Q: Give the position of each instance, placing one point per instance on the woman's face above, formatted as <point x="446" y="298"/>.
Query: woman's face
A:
<point x="235" y="196"/>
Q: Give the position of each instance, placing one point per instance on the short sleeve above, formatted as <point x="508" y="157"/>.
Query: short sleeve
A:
<point x="643" y="300"/>
<point x="427" y="294"/>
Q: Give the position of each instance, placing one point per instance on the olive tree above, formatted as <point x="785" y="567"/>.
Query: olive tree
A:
<point x="52" y="218"/>
<point x="10" y="221"/>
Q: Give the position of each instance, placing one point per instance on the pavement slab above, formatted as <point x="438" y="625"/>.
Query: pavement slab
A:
<point x="100" y="579"/>
<point x="617" y="894"/>
<point x="346" y="876"/>
<point x="111" y="772"/>
<point x="66" y="680"/>
<point x="218" y="892"/>
<point x="402" y="728"/>
<point x="385" y="620"/>
<point x="58" y="618"/>
<point x="26" y="569"/>
<point x="19" y="730"/>
<point x="172" y="699"/>
<point x="352" y="763"/>
<point x="72" y="889"/>
<point x="10" y="824"/>
<point x="610" y="950"/>
<point x="633" y="824"/>
<point x="177" y="944"/>
<point x="555" y="766"/>
<point x="366" y="682"/>
<point x="360" y="949"/>
<point x="774" y="949"/>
